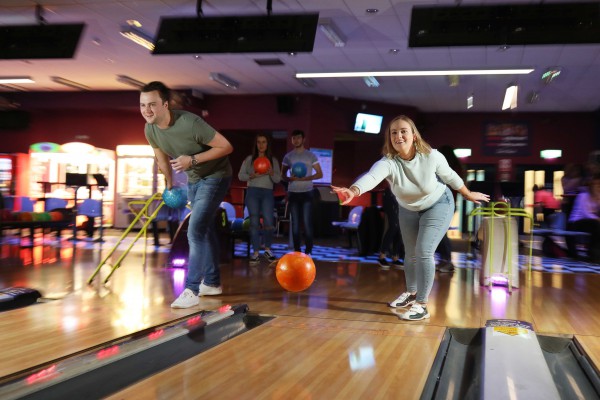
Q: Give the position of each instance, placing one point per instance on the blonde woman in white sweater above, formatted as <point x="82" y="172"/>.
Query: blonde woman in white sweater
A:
<point x="418" y="176"/>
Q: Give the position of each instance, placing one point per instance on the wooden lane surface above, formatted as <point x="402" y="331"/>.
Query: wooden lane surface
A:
<point x="304" y="358"/>
<point x="139" y="298"/>
<point x="39" y="334"/>
<point x="591" y="346"/>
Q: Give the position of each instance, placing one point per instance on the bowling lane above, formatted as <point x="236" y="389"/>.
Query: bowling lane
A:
<point x="591" y="346"/>
<point x="304" y="358"/>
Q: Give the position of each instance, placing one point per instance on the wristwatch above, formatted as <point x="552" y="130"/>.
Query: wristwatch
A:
<point x="194" y="161"/>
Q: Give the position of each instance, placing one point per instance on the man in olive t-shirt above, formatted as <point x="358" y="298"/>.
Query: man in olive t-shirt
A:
<point x="185" y="142"/>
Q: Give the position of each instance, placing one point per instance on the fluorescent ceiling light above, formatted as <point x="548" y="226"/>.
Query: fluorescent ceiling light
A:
<point x="130" y="81"/>
<point x="71" y="84"/>
<point x="224" y="80"/>
<point x="138" y="36"/>
<point x="551" y="153"/>
<point x="462" y="153"/>
<point x="332" y="33"/>
<point x="371" y="81"/>
<point x="16" y="79"/>
<point x="414" y="73"/>
<point x="510" y="97"/>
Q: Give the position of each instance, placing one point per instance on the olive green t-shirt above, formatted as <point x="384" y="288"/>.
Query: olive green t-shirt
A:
<point x="188" y="135"/>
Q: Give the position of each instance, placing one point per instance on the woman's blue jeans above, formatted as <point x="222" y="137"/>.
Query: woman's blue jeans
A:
<point x="260" y="202"/>
<point x="421" y="233"/>
<point x="203" y="264"/>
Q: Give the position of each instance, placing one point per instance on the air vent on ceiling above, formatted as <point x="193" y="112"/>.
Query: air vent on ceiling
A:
<point x="265" y="62"/>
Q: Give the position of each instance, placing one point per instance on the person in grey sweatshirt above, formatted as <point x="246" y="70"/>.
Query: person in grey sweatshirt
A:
<point x="259" y="196"/>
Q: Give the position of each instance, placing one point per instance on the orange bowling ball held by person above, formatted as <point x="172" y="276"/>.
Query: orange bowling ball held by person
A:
<point x="262" y="165"/>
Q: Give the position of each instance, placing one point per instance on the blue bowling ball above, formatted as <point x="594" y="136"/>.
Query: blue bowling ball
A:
<point x="299" y="170"/>
<point x="176" y="197"/>
<point x="237" y="225"/>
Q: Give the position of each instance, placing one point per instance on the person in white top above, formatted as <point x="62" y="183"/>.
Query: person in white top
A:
<point x="418" y="176"/>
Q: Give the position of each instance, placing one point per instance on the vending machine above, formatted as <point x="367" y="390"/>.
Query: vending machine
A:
<point x="50" y="163"/>
<point x="7" y="175"/>
<point x="13" y="174"/>
<point x="137" y="179"/>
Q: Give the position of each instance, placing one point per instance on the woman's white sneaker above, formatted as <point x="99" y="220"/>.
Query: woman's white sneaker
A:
<point x="186" y="299"/>
<point x="416" y="313"/>
<point x="404" y="300"/>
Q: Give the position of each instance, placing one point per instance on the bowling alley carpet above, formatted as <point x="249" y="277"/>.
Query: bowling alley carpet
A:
<point x="460" y="260"/>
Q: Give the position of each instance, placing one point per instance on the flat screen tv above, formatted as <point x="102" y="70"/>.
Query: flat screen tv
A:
<point x="368" y="123"/>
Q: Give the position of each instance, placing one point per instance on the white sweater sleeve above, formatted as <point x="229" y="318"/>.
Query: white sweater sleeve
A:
<point x="378" y="172"/>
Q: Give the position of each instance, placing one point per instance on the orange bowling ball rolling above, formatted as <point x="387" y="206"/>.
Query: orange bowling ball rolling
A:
<point x="295" y="271"/>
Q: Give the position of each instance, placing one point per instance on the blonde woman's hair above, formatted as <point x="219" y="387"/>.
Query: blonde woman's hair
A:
<point x="420" y="145"/>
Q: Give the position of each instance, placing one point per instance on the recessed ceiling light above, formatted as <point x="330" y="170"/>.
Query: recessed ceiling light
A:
<point x="134" y="22"/>
<point x="550" y="74"/>
<point x="372" y="10"/>
<point x="69" y="83"/>
<point x="394" y="51"/>
<point x="470" y="101"/>
<point x="138" y="36"/>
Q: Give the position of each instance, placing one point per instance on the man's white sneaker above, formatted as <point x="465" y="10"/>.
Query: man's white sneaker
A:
<point x="206" y="290"/>
<point x="186" y="299"/>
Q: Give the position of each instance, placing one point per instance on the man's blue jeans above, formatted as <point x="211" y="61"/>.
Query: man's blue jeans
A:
<point x="205" y="196"/>
<point x="301" y="210"/>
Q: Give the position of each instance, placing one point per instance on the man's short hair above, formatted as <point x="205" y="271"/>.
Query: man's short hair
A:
<point x="163" y="91"/>
<point x="298" y="132"/>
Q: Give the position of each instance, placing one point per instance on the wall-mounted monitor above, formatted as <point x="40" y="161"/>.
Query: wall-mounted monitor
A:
<point x="368" y="123"/>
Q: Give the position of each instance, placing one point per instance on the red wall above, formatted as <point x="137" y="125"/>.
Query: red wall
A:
<point x="574" y="133"/>
<point x="106" y="119"/>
